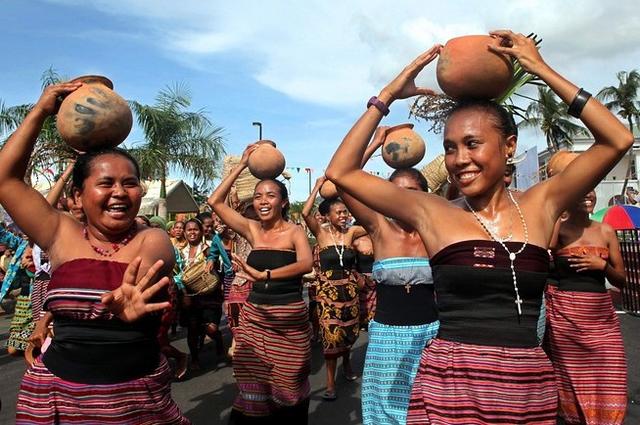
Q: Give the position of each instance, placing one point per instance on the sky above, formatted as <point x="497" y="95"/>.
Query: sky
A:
<point x="304" y="69"/>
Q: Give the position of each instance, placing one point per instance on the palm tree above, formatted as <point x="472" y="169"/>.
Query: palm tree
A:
<point x="549" y="114"/>
<point x="624" y="99"/>
<point x="176" y="138"/>
<point x="49" y="151"/>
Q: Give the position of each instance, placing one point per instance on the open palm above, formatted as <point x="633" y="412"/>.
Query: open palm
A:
<point x="130" y="301"/>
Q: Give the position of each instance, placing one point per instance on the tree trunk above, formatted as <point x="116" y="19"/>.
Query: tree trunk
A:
<point x="162" y="202"/>
<point x="630" y="162"/>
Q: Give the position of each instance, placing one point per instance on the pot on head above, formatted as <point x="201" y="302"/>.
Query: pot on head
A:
<point x="402" y="147"/>
<point x="468" y="69"/>
<point x="266" y="162"/>
<point x="94" y="116"/>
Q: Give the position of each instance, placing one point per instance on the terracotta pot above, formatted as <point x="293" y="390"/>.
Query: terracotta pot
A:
<point x="402" y="147"/>
<point x="328" y="190"/>
<point x="266" y="162"/>
<point x="559" y="161"/>
<point x="94" y="116"/>
<point x="468" y="69"/>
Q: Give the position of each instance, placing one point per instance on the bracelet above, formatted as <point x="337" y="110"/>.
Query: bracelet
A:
<point x="577" y="105"/>
<point x="380" y="106"/>
<point x="268" y="275"/>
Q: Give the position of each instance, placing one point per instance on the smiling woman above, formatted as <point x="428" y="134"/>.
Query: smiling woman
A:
<point x="104" y="364"/>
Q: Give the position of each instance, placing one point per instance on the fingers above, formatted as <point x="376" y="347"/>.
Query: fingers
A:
<point x="425" y="91"/>
<point x="150" y="308"/>
<point x="150" y="275"/>
<point x="151" y="291"/>
<point x="107" y="298"/>
<point x="131" y="272"/>
<point x="421" y="61"/>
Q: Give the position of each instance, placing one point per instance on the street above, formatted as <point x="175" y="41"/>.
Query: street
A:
<point x="206" y="397"/>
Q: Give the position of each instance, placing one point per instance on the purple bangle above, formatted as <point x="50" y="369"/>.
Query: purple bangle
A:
<point x="380" y="106"/>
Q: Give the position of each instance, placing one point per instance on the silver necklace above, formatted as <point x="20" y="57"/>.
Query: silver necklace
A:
<point x="512" y="255"/>
<point x="335" y="245"/>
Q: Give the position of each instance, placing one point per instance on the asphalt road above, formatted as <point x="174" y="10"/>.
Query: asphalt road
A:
<point x="206" y="397"/>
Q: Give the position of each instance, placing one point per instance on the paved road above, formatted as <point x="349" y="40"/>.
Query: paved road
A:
<point x="206" y="397"/>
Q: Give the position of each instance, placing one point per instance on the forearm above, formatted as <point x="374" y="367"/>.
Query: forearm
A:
<point x="308" y="205"/>
<point x="615" y="275"/>
<point x="296" y="269"/>
<point x="219" y="195"/>
<point x="57" y="189"/>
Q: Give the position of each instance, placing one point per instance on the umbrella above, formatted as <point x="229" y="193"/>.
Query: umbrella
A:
<point x="619" y="217"/>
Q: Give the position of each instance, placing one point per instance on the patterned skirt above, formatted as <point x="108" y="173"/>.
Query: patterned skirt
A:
<point x="46" y="399"/>
<point x="22" y="324"/>
<point x="586" y="349"/>
<point x="391" y="363"/>
<point x="236" y="298"/>
<point x="272" y="358"/>
<point x="38" y="294"/>
<point x="339" y="315"/>
<point x="367" y="298"/>
<point x="478" y="385"/>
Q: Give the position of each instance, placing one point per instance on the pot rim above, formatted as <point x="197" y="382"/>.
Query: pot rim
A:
<point x="399" y="127"/>
<point x="87" y="79"/>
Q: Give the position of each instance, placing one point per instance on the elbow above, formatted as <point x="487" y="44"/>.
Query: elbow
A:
<point x="214" y="201"/>
<point x="627" y="142"/>
<point x="335" y="174"/>
<point x="307" y="266"/>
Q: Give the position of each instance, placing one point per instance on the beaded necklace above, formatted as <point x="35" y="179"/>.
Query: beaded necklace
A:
<point x="115" y="246"/>
<point x="335" y="245"/>
<point x="512" y="255"/>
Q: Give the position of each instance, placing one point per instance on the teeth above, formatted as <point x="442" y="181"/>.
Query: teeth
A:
<point x="467" y="176"/>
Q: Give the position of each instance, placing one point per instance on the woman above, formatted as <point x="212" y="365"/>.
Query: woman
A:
<point x="177" y="235"/>
<point x="103" y="364"/>
<point x="272" y="357"/>
<point x="487" y="250"/>
<point x="337" y="291"/>
<point x="364" y="267"/>
<point x="405" y="315"/>
<point x="203" y="311"/>
<point x="583" y="331"/>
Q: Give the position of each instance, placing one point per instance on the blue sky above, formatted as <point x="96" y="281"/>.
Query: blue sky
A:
<point x="303" y="69"/>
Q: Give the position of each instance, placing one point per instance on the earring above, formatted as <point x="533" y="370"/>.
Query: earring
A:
<point x="449" y="178"/>
<point x="510" y="160"/>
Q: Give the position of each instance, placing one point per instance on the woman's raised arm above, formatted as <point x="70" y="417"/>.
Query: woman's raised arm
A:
<point x="28" y="208"/>
<point x="612" y="139"/>
<point x="228" y="215"/>
<point x="345" y="166"/>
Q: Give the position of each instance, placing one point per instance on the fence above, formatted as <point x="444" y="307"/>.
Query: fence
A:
<point x="630" y="248"/>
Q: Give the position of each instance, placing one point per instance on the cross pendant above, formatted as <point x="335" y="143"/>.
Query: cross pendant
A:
<point x="407" y="288"/>
<point x="518" y="301"/>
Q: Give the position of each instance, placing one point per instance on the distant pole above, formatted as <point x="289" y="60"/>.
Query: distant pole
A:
<point x="259" y="125"/>
<point x="308" y="170"/>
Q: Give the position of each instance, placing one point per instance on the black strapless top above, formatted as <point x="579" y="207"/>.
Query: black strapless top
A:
<point x="476" y="297"/>
<point x="364" y="262"/>
<point x="330" y="260"/>
<point x="568" y="279"/>
<point x="274" y="291"/>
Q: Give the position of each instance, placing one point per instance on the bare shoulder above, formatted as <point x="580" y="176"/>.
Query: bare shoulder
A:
<point x="605" y="229"/>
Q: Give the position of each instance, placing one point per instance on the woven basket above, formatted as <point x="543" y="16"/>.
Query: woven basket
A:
<point x="198" y="281"/>
<point x="436" y="173"/>
<point x="245" y="184"/>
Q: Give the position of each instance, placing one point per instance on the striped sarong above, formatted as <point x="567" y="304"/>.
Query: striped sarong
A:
<point x="47" y="399"/>
<point x="390" y="366"/>
<point x="469" y="384"/>
<point x="586" y="348"/>
<point x="272" y="358"/>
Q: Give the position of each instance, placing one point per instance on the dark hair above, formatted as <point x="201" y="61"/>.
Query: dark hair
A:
<point x="197" y="222"/>
<point x="145" y="219"/>
<point x="284" y="194"/>
<point x="412" y="173"/>
<point x="503" y="119"/>
<point x="205" y="214"/>
<point x="325" y="206"/>
<point x="82" y="167"/>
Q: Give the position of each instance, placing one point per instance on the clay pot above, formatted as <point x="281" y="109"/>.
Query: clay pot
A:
<point x="266" y="162"/>
<point x="402" y="147"/>
<point x="559" y="161"/>
<point x="94" y="116"/>
<point x="328" y="190"/>
<point x="468" y="69"/>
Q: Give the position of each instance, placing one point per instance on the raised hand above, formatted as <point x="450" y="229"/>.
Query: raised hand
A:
<point x="49" y="101"/>
<point x="521" y="47"/>
<point x="379" y="136"/>
<point x="404" y="85"/>
<point x="131" y="300"/>
<point x="247" y="153"/>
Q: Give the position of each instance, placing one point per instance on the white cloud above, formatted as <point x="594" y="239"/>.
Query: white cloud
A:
<point x="338" y="53"/>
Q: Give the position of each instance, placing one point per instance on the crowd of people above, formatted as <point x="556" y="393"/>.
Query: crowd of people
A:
<point x="484" y="307"/>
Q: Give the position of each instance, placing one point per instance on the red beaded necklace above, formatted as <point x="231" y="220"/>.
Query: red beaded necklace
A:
<point x="115" y="246"/>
